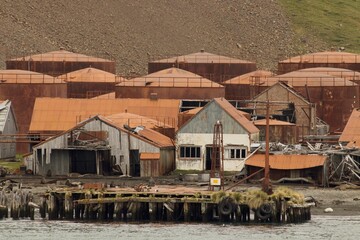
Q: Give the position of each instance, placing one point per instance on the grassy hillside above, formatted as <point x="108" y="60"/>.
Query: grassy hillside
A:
<point x="336" y="22"/>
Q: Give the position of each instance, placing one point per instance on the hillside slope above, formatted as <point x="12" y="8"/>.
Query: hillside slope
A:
<point x="130" y="31"/>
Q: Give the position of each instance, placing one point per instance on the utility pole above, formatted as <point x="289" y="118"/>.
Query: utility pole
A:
<point x="266" y="186"/>
<point x="217" y="159"/>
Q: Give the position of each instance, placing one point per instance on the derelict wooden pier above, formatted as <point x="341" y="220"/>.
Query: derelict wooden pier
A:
<point x="170" y="205"/>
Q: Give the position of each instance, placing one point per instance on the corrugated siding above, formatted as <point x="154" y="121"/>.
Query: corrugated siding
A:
<point x="205" y="120"/>
<point x="7" y="150"/>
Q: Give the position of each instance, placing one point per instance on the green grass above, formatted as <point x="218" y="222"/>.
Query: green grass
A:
<point x="336" y="22"/>
<point x="11" y="165"/>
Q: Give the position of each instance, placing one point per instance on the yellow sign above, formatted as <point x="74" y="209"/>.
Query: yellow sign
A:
<point x="215" y="181"/>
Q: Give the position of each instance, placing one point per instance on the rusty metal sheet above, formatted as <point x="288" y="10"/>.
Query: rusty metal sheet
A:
<point x="325" y="57"/>
<point x="351" y="131"/>
<point x="287" y="162"/>
<point x="23" y="76"/>
<point x="134" y="120"/>
<point x="149" y="156"/>
<point x="59" y="62"/>
<point x="159" y="139"/>
<point x="201" y="57"/>
<point x="60" y="114"/>
<point x="90" y="75"/>
<point x="272" y="122"/>
<point x="255" y="77"/>
<point x="171" y="77"/>
<point x="213" y="67"/>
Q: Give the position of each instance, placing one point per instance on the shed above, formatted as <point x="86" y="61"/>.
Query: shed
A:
<point x="56" y="63"/>
<point x="211" y="66"/>
<point x="8" y="129"/>
<point x="96" y="146"/>
<point x="89" y="82"/>
<point x="311" y="167"/>
<point x="195" y="138"/>
<point x="171" y="83"/>
<point x="279" y="131"/>
<point x="304" y="112"/>
<point x="321" y="59"/>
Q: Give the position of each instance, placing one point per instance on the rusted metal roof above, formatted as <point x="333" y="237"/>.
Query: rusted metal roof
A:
<point x="237" y="115"/>
<point x="134" y="120"/>
<point x="171" y="77"/>
<point x="149" y="156"/>
<point x="251" y="78"/>
<point x="156" y="137"/>
<point x="201" y="57"/>
<point x="273" y="122"/>
<point x="89" y="75"/>
<point x="287" y="162"/>
<point x="106" y="96"/>
<point x="336" y="72"/>
<point x="59" y="114"/>
<point x="325" y="57"/>
<point x="22" y="76"/>
<point x="311" y="79"/>
<point x="351" y="131"/>
<point x="60" y="56"/>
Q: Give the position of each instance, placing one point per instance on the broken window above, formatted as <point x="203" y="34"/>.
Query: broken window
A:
<point x="189" y="152"/>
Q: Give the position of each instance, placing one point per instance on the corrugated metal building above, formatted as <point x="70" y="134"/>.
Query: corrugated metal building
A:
<point x="54" y="115"/>
<point x="8" y="128"/>
<point x="217" y="68"/>
<point x="22" y="88"/>
<point x="89" y="82"/>
<point x="96" y="145"/>
<point x="171" y="83"/>
<point x="56" y="63"/>
<point x="279" y="131"/>
<point x="195" y="138"/>
<point x="320" y="59"/>
<point x="246" y="86"/>
<point x="305" y="112"/>
<point x="287" y="167"/>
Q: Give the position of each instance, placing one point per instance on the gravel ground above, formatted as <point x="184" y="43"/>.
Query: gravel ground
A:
<point x="131" y="31"/>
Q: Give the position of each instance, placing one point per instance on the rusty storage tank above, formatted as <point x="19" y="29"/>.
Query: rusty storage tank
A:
<point x="347" y="74"/>
<point x="321" y="59"/>
<point x="245" y="87"/>
<point x="56" y="63"/>
<point x="134" y="120"/>
<point x="280" y="131"/>
<point x="213" y="67"/>
<point x="172" y="83"/>
<point x="89" y="82"/>
<point x="334" y="97"/>
<point x="22" y="88"/>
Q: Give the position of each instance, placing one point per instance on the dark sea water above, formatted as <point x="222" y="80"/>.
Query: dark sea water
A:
<point x="320" y="227"/>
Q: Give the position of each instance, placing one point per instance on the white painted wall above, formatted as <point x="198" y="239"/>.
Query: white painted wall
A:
<point x="207" y="139"/>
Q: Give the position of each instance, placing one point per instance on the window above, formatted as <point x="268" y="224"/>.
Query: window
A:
<point x="235" y="153"/>
<point x="189" y="152"/>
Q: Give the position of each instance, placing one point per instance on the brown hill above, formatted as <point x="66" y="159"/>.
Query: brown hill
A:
<point x="129" y="31"/>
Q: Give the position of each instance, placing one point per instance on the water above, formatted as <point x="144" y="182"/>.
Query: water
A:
<point x="320" y="227"/>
